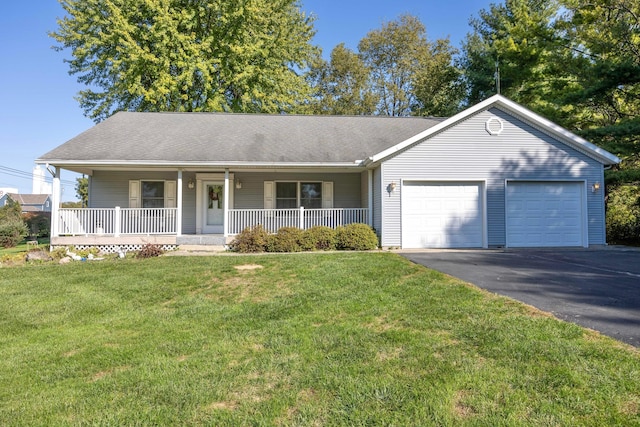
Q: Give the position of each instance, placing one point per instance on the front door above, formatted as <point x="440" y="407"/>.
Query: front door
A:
<point x="213" y="207"/>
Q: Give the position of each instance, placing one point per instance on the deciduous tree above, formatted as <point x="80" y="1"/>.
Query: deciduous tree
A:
<point x="186" y="55"/>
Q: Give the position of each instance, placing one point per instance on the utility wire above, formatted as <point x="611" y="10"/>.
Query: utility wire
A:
<point x="28" y="175"/>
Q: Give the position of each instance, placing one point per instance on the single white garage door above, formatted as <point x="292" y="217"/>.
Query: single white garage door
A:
<point x="544" y="214"/>
<point x="442" y="215"/>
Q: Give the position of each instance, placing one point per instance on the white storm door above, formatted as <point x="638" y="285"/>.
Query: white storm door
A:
<point x="213" y="207"/>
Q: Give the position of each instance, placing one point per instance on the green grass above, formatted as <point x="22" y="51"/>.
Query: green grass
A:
<point x="23" y="247"/>
<point x="308" y="339"/>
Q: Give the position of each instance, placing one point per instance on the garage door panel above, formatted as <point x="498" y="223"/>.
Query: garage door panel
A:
<point x="441" y="215"/>
<point x="544" y="214"/>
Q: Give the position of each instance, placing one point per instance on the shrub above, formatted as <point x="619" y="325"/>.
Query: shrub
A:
<point x="356" y="237"/>
<point x="286" y="240"/>
<point x="623" y="215"/>
<point x="12" y="231"/>
<point x="149" y="251"/>
<point x="250" y="240"/>
<point x="38" y="223"/>
<point x="318" y="238"/>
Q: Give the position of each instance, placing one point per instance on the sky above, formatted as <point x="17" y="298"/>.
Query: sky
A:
<point x="38" y="111"/>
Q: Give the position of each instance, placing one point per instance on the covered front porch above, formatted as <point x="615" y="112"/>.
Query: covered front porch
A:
<point x="206" y="208"/>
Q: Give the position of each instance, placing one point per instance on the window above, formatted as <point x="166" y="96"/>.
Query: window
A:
<point x="153" y="194"/>
<point x="291" y="195"/>
<point x="311" y="195"/>
<point x="286" y="195"/>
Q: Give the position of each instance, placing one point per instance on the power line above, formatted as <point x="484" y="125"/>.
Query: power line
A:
<point x="16" y="173"/>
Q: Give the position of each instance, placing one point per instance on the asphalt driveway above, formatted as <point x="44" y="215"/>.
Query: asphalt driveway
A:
<point x="598" y="289"/>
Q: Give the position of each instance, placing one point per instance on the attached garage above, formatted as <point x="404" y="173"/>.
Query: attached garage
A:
<point x="442" y="214"/>
<point x="545" y="214"/>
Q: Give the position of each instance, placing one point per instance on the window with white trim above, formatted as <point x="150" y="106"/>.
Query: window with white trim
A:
<point x="293" y="194"/>
<point x="152" y="194"/>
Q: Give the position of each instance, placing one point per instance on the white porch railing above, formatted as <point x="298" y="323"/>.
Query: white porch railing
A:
<point x="117" y="221"/>
<point x="273" y="219"/>
<point x="122" y="221"/>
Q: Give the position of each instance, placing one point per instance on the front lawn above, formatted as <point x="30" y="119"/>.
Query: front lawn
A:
<point x="303" y="339"/>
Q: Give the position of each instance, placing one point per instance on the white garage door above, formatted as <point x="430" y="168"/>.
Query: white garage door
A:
<point x="442" y="215"/>
<point x="544" y="214"/>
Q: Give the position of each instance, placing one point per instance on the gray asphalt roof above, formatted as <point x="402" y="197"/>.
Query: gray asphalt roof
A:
<point x="219" y="137"/>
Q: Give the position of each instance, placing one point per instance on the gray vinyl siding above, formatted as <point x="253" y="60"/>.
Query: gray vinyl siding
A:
<point x="110" y="189"/>
<point x="467" y="152"/>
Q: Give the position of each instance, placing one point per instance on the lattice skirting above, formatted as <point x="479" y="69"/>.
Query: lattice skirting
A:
<point x="111" y="249"/>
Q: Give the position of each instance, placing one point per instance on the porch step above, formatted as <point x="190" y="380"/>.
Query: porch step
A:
<point x="201" y="240"/>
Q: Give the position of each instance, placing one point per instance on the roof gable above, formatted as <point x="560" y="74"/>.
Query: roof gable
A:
<point x="518" y="111"/>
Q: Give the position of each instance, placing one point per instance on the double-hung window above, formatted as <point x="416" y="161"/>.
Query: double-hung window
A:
<point x="291" y="195"/>
<point x="152" y="194"/>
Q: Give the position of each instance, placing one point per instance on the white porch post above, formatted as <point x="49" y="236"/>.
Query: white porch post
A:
<point x="370" y="198"/>
<point x="56" y="197"/>
<point x="225" y="218"/>
<point x="179" y="205"/>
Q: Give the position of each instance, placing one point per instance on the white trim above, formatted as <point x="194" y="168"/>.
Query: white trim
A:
<point x="483" y="192"/>
<point x="179" y="204"/>
<point x="370" y="197"/>
<point x="506" y="104"/>
<point x="584" y="226"/>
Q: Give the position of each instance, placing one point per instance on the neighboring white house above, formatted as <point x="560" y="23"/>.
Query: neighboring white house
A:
<point x="494" y="175"/>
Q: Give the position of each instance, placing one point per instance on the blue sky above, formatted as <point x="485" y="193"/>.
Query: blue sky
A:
<point x="37" y="107"/>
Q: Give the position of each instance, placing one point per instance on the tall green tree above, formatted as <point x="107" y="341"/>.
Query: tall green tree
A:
<point x="515" y="39"/>
<point x="410" y="74"/>
<point x="341" y="86"/>
<point x="186" y="55"/>
<point x="605" y="38"/>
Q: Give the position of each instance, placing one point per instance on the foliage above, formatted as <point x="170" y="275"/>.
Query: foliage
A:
<point x="318" y="238"/>
<point x="12" y="231"/>
<point x="401" y="59"/>
<point x="250" y="240"/>
<point x="12" y="226"/>
<point x="356" y="237"/>
<point x="38" y="223"/>
<point x="186" y="55"/>
<point x="149" y="251"/>
<point x="515" y="37"/>
<point x="623" y="214"/>
<point x="70" y="205"/>
<point x="10" y="211"/>
<point x="287" y="239"/>
<point x="334" y="339"/>
<point x="82" y="191"/>
<point x="341" y="86"/>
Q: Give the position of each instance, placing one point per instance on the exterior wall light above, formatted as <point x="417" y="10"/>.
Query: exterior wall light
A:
<point x="391" y="188"/>
<point x="191" y="184"/>
<point x="595" y="187"/>
<point x="238" y="185"/>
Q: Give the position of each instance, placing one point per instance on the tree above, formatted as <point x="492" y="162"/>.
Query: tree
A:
<point x="437" y="82"/>
<point x="517" y="39"/>
<point x="393" y="54"/>
<point x="341" y="86"/>
<point x="12" y="226"/>
<point x="186" y="55"/>
<point x="82" y="190"/>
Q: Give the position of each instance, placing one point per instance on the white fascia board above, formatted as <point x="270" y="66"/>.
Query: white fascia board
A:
<point x="169" y="164"/>
<point x="596" y="152"/>
<point x="432" y="130"/>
